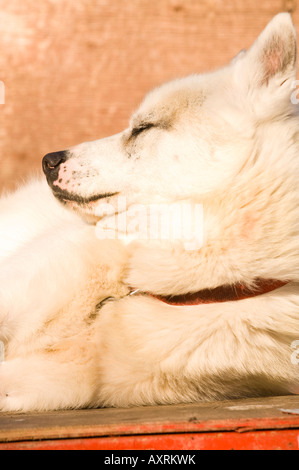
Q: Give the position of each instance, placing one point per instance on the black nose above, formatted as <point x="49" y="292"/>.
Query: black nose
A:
<point x="51" y="164"/>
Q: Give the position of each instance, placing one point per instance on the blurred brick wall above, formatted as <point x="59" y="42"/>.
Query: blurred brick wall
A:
<point x="74" y="70"/>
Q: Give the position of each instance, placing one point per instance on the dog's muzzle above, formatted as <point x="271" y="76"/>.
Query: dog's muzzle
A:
<point x="51" y="165"/>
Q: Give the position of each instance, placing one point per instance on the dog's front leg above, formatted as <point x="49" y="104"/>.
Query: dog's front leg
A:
<point x="43" y="277"/>
<point x="61" y="378"/>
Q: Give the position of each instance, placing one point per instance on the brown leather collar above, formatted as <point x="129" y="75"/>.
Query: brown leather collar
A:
<point x="223" y="293"/>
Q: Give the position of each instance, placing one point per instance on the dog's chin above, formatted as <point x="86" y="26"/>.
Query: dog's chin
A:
<point x="85" y="211"/>
<point x="84" y="207"/>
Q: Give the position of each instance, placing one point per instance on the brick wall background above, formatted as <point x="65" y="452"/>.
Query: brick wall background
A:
<point x="75" y="70"/>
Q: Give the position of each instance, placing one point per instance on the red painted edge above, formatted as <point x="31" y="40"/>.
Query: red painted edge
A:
<point x="252" y="440"/>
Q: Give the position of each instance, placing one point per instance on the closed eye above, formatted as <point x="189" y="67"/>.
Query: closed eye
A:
<point x="139" y="129"/>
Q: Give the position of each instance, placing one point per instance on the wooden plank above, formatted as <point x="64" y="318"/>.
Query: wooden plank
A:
<point x="237" y="415"/>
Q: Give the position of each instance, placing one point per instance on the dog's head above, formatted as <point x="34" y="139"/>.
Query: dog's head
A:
<point x="190" y="136"/>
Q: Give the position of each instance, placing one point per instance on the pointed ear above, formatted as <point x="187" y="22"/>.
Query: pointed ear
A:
<point x="269" y="66"/>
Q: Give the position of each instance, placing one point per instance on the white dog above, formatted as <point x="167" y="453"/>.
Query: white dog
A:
<point x="213" y="322"/>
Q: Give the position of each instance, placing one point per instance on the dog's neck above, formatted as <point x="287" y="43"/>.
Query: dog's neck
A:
<point x="223" y="293"/>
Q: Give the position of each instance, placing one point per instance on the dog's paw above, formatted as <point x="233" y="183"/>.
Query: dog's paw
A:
<point x="17" y="390"/>
<point x="10" y="404"/>
<point x="36" y="383"/>
<point x="9" y="390"/>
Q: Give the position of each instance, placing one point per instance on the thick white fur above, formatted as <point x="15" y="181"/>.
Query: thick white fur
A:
<point x="228" y="140"/>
